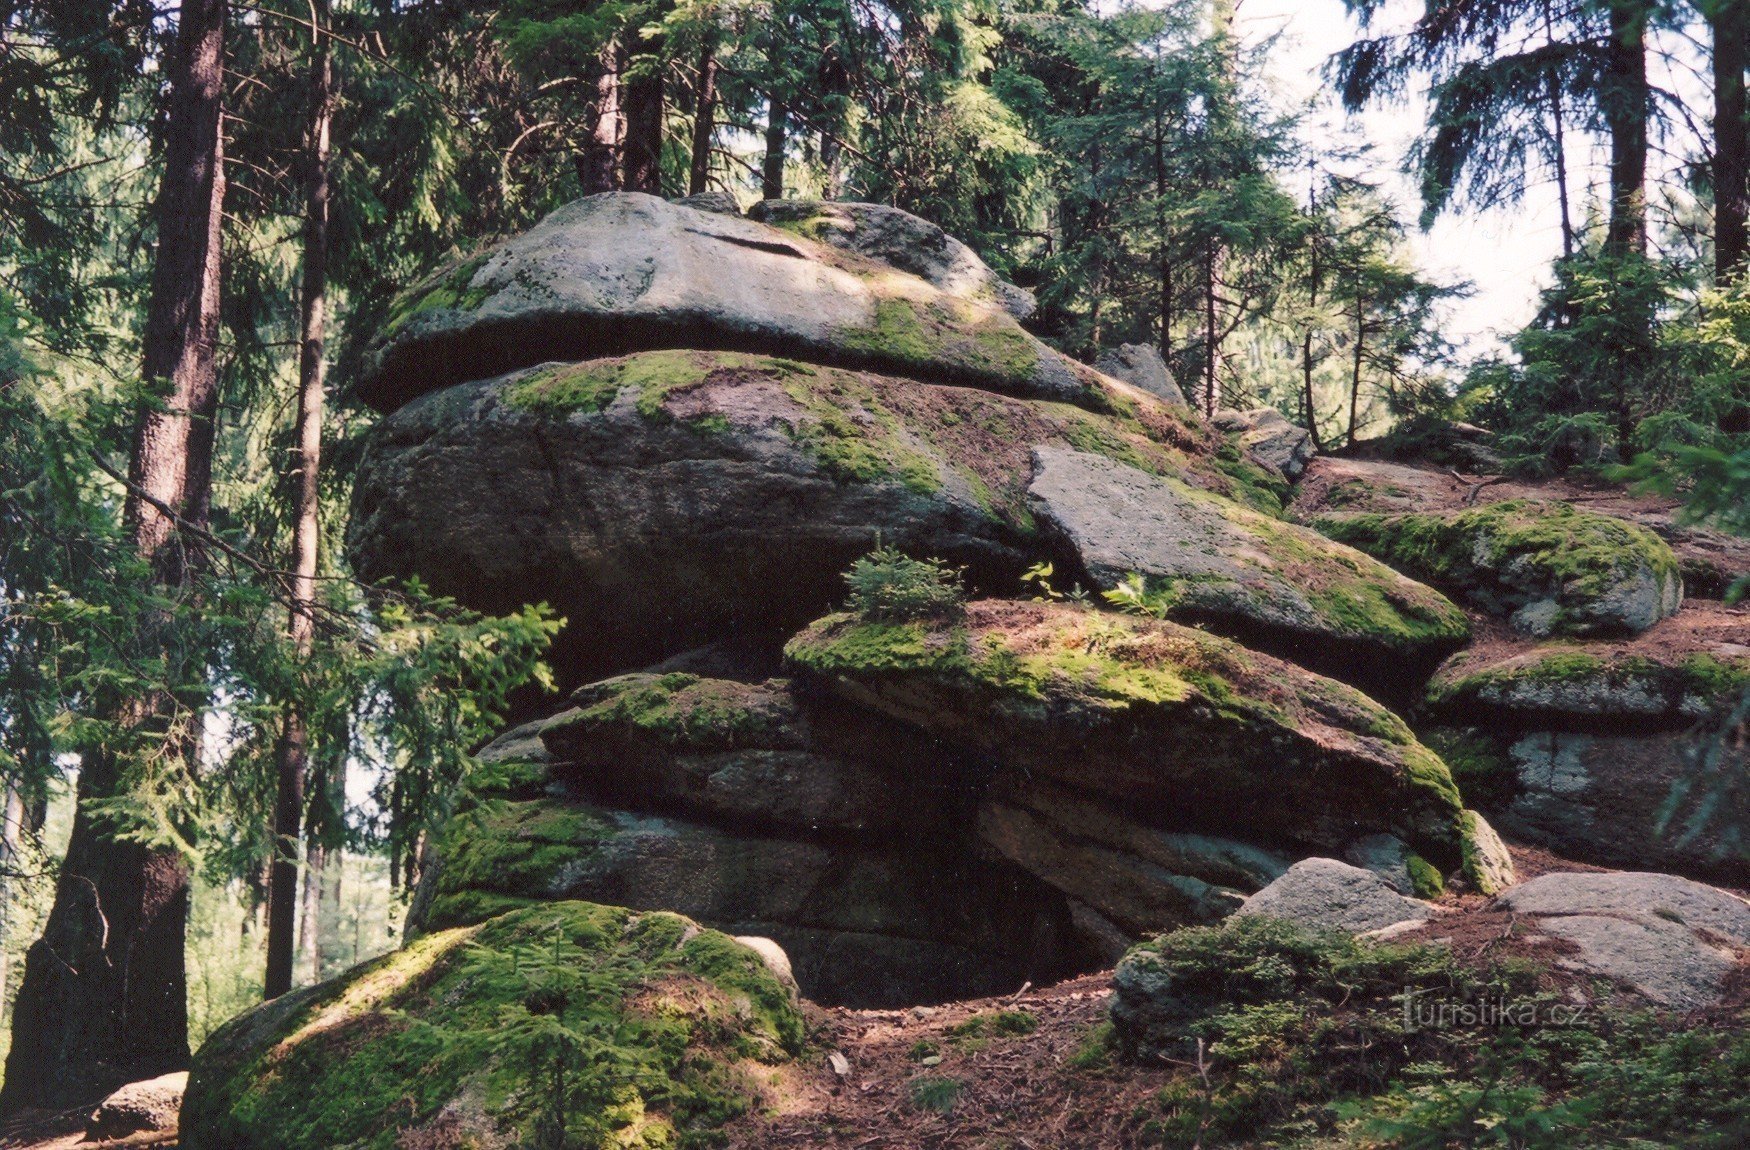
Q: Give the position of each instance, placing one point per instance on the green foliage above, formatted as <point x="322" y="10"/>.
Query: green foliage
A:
<point x="1277" y="1034"/>
<point x="889" y="585"/>
<point x="996" y="1024"/>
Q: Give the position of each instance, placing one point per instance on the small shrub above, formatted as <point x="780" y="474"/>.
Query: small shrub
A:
<point x="890" y="585"/>
<point x="938" y="1094"/>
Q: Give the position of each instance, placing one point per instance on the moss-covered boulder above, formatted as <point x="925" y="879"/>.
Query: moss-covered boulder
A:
<point x="625" y="272"/>
<point x="568" y="1024"/>
<point x="1551" y="567"/>
<point x="674" y="498"/>
<point x="1187" y="731"/>
<point x="1208" y="560"/>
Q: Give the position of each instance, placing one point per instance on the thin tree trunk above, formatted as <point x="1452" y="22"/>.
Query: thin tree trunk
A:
<point x="704" y="116"/>
<point x="1559" y="143"/>
<point x="310" y="916"/>
<point x="1211" y="331"/>
<point x="643" y="146"/>
<point x="598" y="167"/>
<point x="1625" y="95"/>
<point x="1731" y="164"/>
<point x="12" y="820"/>
<point x="1355" y="375"/>
<point x="105" y="992"/>
<point x="777" y="134"/>
<point x="293" y="752"/>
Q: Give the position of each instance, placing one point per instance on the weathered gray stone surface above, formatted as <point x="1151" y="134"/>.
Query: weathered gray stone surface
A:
<point x="675" y="498"/>
<point x="623" y="272"/>
<point x="1270" y="440"/>
<point x="1492" y="869"/>
<point x="1386" y="856"/>
<point x="1330" y="895"/>
<point x="1673" y="940"/>
<point x="1211" y="561"/>
<point x="721" y="203"/>
<point x="1141" y="365"/>
<point x="902" y="240"/>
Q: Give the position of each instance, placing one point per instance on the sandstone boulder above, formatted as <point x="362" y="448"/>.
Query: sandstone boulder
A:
<point x="1269" y="439"/>
<point x="1141" y="365"/>
<point x="669" y="499"/>
<point x="624" y="272"/>
<point x="150" y="1106"/>
<point x="1673" y="940"/>
<point x="1188" y="731"/>
<point x="1324" y="894"/>
<point x="1552" y="568"/>
<point x="1208" y="560"/>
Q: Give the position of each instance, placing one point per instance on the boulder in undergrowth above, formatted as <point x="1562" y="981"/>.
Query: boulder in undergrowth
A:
<point x="1207" y="560"/>
<point x="1551" y="567"/>
<point x="565" y="1024"/>
<point x="1267" y="437"/>
<point x="1141" y="365"/>
<point x="1325" y="894"/>
<point x="1189" y="731"/>
<point x="1673" y="940"/>
<point x="149" y="1106"/>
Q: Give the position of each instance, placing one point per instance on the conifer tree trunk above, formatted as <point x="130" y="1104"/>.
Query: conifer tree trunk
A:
<point x="292" y="757"/>
<point x="1624" y="95"/>
<point x="777" y="135"/>
<point x="643" y="141"/>
<point x="1730" y="20"/>
<point x="704" y="120"/>
<point x="598" y="166"/>
<point x="104" y="998"/>
<point x="315" y="886"/>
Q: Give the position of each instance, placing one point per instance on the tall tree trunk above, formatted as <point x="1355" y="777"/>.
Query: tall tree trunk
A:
<point x="1731" y="35"/>
<point x="315" y="887"/>
<point x="1624" y="96"/>
<point x="293" y="752"/>
<point x="777" y="135"/>
<point x="643" y="147"/>
<point x="598" y="166"/>
<point x="704" y="119"/>
<point x="105" y="992"/>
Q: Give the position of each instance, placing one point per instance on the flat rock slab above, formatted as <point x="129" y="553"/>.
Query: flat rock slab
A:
<point x="623" y="272"/>
<point x="1673" y="940"/>
<point x="1207" y="560"/>
<point x="1330" y="895"/>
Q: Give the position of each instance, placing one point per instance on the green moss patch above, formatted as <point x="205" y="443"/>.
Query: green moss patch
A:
<point x="501" y="853"/>
<point x="1609" y="680"/>
<point x="449" y="290"/>
<point x="569" y="1024"/>
<point x="1503" y="555"/>
<point x="678" y="710"/>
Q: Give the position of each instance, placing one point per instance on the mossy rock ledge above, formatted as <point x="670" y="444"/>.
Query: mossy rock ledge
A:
<point x="1551" y="568"/>
<point x="668" y="499"/>
<point x="565" y="1024"/>
<point x="1181" y="730"/>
